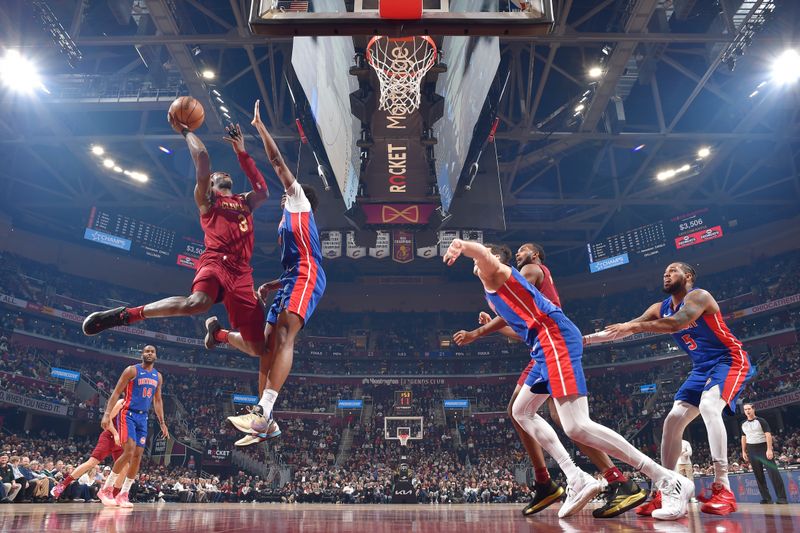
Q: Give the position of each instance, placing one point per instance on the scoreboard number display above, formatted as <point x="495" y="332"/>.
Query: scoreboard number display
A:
<point x="403" y="400"/>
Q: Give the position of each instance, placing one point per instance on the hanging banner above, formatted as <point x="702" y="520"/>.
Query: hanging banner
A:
<point x="331" y="244"/>
<point x="402" y="246"/>
<point x="427" y="252"/>
<point x="63" y="373"/>
<point x="381" y="250"/>
<point x="445" y="238"/>
<point x="353" y="251"/>
<point x="474" y="235"/>
<point x="403" y="214"/>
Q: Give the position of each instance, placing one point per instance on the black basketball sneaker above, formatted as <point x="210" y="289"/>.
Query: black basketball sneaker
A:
<point x="103" y="320"/>
<point x="545" y="495"/>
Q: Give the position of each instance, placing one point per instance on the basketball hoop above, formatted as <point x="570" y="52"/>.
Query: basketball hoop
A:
<point x="404" y="434"/>
<point x="400" y="64"/>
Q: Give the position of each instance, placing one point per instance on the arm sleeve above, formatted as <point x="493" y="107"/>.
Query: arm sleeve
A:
<point x="764" y="425"/>
<point x="250" y="169"/>
<point x="296" y="201"/>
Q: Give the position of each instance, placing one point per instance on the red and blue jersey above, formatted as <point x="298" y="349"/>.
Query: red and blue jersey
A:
<point x="140" y="391"/>
<point x="298" y="236"/>
<point x="525" y="309"/>
<point x="708" y="340"/>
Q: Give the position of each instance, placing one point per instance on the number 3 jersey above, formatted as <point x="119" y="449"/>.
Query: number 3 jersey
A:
<point x="707" y="340"/>
<point x="141" y="389"/>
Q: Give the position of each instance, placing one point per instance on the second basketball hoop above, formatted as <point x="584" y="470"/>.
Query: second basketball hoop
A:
<point x="400" y="64"/>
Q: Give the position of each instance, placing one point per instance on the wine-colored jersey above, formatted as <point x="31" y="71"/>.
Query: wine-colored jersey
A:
<point x="228" y="228"/>
<point x="548" y="288"/>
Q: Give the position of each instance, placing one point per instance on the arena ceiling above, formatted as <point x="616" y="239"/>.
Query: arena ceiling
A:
<point x="569" y="175"/>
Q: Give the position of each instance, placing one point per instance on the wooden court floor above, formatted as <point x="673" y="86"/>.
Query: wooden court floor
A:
<point x="328" y="518"/>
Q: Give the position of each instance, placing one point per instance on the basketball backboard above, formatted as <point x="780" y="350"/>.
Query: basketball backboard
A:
<point x="403" y="428"/>
<point x="290" y="18"/>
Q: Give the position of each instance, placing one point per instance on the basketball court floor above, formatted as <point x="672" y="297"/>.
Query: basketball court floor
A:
<point x="326" y="518"/>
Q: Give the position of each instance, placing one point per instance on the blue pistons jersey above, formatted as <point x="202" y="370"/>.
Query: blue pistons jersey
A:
<point x="707" y="340"/>
<point x="297" y="232"/>
<point x="141" y="389"/>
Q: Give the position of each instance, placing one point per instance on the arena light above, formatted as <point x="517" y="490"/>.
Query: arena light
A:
<point x="786" y="67"/>
<point x="117" y="169"/>
<point x="704" y="152"/>
<point x="164" y="149"/>
<point x="19" y="73"/>
<point x="223" y="109"/>
<point x="108" y="163"/>
<point x="640" y="147"/>
<point x="579" y="108"/>
<point x="595" y="72"/>
<point x="98" y="150"/>
<point x="139" y="176"/>
<point x="752" y="94"/>
<point x="208" y="74"/>
<point x="666" y="174"/>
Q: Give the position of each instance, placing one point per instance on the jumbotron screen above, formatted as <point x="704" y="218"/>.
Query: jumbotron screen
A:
<point x="130" y="234"/>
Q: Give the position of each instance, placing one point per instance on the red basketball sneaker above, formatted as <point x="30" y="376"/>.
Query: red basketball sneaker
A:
<point x="648" y="508"/>
<point x="721" y="502"/>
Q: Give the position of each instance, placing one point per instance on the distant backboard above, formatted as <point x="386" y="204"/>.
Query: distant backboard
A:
<point x="282" y="18"/>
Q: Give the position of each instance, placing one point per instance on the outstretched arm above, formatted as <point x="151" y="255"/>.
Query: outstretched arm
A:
<point x="497" y="324"/>
<point x="260" y="193"/>
<point x="694" y="305"/>
<point x="127" y="375"/>
<point x="273" y="154"/>
<point x="491" y="272"/>
<point x="612" y="333"/>
<point x="202" y="164"/>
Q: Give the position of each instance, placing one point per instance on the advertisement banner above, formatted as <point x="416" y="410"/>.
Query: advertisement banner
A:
<point x="187" y="262"/>
<point x="217" y="456"/>
<point x="32" y="403"/>
<point x="109" y="240"/>
<point x="63" y="373"/>
<point x="353" y="251"/>
<point x="609" y="262"/>
<point x="381" y="250"/>
<point x="402" y="246"/>
<point x="745" y="486"/>
<point x="331" y="244"/>
<point x="768" y="306"/>
<point x="402" y="214"/>
<point x="350" y="404"/>
<point x="456" y="404"/>
<point x="246" y="399"/>
<point x="698" y="237"/>
<point x="777" y="401"/>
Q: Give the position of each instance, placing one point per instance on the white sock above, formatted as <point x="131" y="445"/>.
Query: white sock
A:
<point x="711" y="406"/>
<point x="110" y="480"/>
<point x="524" y="412"/>
<point x="126" y="485"/>
<point x="268" y="401"/>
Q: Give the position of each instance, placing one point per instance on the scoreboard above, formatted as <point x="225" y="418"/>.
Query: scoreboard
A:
<point x="130" y="234"/>
<point x="403" y="400"/>
<point x="189" y="252"/>
<point x="682" y="231"/>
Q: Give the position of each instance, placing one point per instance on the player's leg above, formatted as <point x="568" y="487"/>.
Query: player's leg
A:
<point x="581" y="486"/>
<point x="130" y="476"/>
<point x="246" y="315"/>
<point x="81" y="469"/>
<point x="118" y="470"/>
<point x="676" y="490"/>
<point x="244" y="422"/>
<point x="206" y="287"/>
<point x="545" y="490"/>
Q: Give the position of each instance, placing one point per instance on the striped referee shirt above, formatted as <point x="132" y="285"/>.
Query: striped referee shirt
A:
<point x="754" y="430"/>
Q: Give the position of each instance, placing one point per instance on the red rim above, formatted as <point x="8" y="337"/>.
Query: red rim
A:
<point x="375" y="39"/>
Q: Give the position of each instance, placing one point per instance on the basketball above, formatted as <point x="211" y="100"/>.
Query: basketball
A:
<point x="188" y="110"/>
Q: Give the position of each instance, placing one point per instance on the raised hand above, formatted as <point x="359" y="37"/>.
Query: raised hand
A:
<point x="453" y="252"/>
<point x="484" y="318"/>
<point x="266" y="288"/>
<point x="234" y="138"/>
<point x="173" y="122"/>
<point x="256" y="115"/>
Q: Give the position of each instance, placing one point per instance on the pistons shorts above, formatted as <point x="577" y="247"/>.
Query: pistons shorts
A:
<point x="133" y="426"/>
<point x="557" y="358"/>
<point x="234" y="288"/>
<point x="300" y="292"/>
<point x="730" y="375"/>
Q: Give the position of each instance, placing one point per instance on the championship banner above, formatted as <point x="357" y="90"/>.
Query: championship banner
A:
<point x="445" y="238"/>
<point x="402" y="246"/>
<point x="401" y="214"/>
<point x="63" y="373"/>
<point x="427" y="252"/>
<point x="353" y="251"/>
<point x="331" y="244"/>
<point x="32" y="403"/>
<point x="474" y="235"/>
<point x="381" y="250"/>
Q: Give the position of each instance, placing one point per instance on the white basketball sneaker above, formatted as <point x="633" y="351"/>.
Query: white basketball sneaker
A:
<point x="244" y="422"/>
<point x="676" y="491"/>
<point x="580" y="491"/>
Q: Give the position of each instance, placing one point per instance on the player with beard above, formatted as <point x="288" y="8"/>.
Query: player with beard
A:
<point x="720" y="370"/>
<point x="223" y="271"/>
<point x="557" y="348"/>
<point x="623" y="494"/>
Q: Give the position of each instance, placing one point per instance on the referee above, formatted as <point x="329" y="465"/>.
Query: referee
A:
<point x="757" y="449"/>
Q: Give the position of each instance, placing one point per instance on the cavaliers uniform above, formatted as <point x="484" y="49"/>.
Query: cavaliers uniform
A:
<point x="131" y="421"/>
<point x="718" y="358"/>
<point x="223" y="271"/>
<point x="106" y="445"/>
<point x="303" y="279"/>
<point x="548" y="289"/>
<point x="556" y="343"/>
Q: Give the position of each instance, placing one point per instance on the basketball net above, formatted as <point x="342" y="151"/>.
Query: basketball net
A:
<point x="404" y="439"/>
<point x="400" y="64"/>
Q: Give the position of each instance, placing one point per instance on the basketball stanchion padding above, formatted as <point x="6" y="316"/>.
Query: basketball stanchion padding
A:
<point x="400" y="9"/>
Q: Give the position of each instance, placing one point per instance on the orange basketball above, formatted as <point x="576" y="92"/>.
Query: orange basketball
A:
<point x="187" y="110"/>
